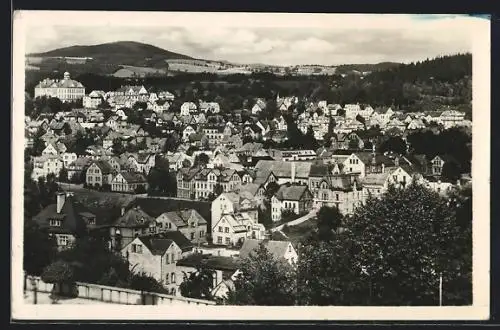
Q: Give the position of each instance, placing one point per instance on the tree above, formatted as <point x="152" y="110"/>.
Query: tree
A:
<point x="309" y="141"/>
<point x="140" y="189"/>
<point x="63" y="175"/>
<point x="198" y="285"/>
<point x="201" y="159"/>
<point x="403" y="259"/>
<point x="39" y="248"/>
<point x="67" y="129"/>
<point x="395" y="144"/>
<point x="271" y="189"/>
<point x="326" y="274"/>
<point x="353" y="144"/>
<point x="329" y="221"/>
<point x="361" y="119"/>
<point x="38" y="145"/>
<point x="117" y="147"/>
<point x="264" y="280"/>
<point x="450" y="172"/>
<point x="145" y="283"/>
<point x="61" y="274"/>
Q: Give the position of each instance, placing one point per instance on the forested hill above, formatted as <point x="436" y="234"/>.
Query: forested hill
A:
<point x="444" y="69"/>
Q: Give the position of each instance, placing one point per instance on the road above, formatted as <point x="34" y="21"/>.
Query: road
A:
<point x="295" y="222"/>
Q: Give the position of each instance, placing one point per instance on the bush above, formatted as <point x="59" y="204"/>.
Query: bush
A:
<point x="140" y="189"/>
<point x="106" y="187"/>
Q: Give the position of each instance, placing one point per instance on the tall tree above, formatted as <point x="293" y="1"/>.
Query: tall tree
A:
<point x="264" y="281"/>
<point x="198" y="284"/>
<point x="404" y="242"/>
<point x="329" y="221"/>
<point x="39" y="248"/>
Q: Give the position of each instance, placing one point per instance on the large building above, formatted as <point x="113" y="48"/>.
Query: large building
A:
<point x="65" y="89"/>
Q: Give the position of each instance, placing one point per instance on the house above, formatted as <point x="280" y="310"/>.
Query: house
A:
<point x="284" y="172"/>
<point x="187" y="221"/>
<point x="213" y="107"/>
<point x="185" y="182"/>
<point x="377" y="184"/>
<point x="232" y="229"/>
<point x="65" y="220"/>
<point x="280" y="250"/>
<point x="129" y="182"/>
<point x="154" y="256"/>
<point x="78" y="168"/>
<point x="451" y="118"/>
<point x="132" y="223"/>
<point x="258" y="106"/>
<point x="438" y="162"/>
<point x="188" y="108"/>
<point x="343" y="191"/>
<point x="224" y="270"/>
<point x="66" y="89"/>
<point x="296" y="198"/>
<point x="142" y="162"/>
<point x="99" y="173"/>
<point x="93" y="100"/>
<point x="234" y="202"/>
<point x="50" y="149"/>
<point x="208" y="179"/>
<point x="347" y="141"/>
<point x="187" y="132"/>
<point x="68" y="158"/>
<point x="45" y="165"/>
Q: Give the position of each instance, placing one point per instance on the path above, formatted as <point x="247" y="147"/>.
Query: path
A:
<point x="295" y="222"/>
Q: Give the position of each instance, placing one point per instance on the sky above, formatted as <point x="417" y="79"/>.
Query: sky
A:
<point x="277" y="39"/>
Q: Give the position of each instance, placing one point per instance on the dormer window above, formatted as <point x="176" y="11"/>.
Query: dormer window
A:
<point x="55" y="222"/>
<point x="91" y="221"/>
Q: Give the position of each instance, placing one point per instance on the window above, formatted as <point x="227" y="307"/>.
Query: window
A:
<point x="202" y="234"/>
<point x="63" y="240"/>
<point x="228" y="240"/>
<point x="173" y="257"/>
<point x="91" y="221"/>
<point x="220" y="229"/>
<point x="152" y="230"/>
<point x="289" y="248"/>
<point x="172" y="292"/>
<point x="55" y="222"/>
<point x="136" y="248"/>
<point x="193" y="224"/>
<point x="337" y="196"/>
<point x="167" y="279"/>
<point x="226" y="229"/>
<point x="192" y="235"/>
<point x="172" y="277"/>
<point x="167" y="261"/>
<point x="219" y="240"/>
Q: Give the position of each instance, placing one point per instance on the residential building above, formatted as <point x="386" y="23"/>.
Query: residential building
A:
<point x="66" y="89"/>
<point x="188" y="108"/>
<point x="154" y="256"/>
<point x="234" y="202"/>
<point x="187" y="221"/>
<point x="280" y="250"/>
<point x="45" y="165"/>
<point x="132" y="223"/>
<point x="296" y="198"/>
<point x="99" y="173"/>
<point x="233" y="229"/>
<point x="129" y="182"/>
<point x="377" y="184"/>
<point x="65" y="220"/>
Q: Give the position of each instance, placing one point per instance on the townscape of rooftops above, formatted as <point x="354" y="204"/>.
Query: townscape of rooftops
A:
<point x="200" y="185"/>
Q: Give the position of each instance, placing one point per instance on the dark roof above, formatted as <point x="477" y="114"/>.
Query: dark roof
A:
<point x="72" y="220"/>
<point x="292" y="192"/>
<point x="177" y="237"/>
<point x="208" y="261"/>
<point x="157" y="206"/>
<point x="104" y="166"/>
<point x="134" y="217"/>
<point x="157" y="246"/>
<point x="132" y="177"/>
<point x="319" y="170"/>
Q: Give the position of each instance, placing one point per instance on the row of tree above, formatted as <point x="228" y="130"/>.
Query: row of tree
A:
<point x="392" y="251"/>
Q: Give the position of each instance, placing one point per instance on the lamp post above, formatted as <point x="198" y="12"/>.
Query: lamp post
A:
<point x="34" y="286"/>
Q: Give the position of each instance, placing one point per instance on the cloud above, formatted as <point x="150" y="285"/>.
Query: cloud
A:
<point x="285" y="39"/>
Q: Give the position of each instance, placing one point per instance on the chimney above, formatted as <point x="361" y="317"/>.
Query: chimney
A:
<point x="293" y="172"/>
<point x="61" y="198"/>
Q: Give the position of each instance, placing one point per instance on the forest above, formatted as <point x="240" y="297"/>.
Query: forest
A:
<point x="423" y="86"/>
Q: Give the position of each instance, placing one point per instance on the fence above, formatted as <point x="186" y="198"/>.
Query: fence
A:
<point x="114" y="294"/>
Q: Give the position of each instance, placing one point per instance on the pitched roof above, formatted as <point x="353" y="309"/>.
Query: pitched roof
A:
<point x="132" y="177"/>
<point x="104" y="166"/>
<point x="276" y="248"/>
<point x="177" y="237"/>
<point x="157" y="246"/>
<point x="134" y="217"/>
<point x="284" y="169"/>
<point x="291" y="193"/>
<point x="70" y="214"/>
<point x="181" y="217"/>
<point x="209" y="261"/>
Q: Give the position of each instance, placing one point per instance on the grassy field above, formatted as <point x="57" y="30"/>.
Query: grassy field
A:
<point x="298" y="232"/>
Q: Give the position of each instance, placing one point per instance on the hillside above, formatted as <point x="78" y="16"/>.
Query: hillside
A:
<point x="346" y="68"/>
<point x="117" y="53"/>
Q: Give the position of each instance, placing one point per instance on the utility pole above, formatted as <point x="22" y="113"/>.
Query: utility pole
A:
<point x="440" y="289"/>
